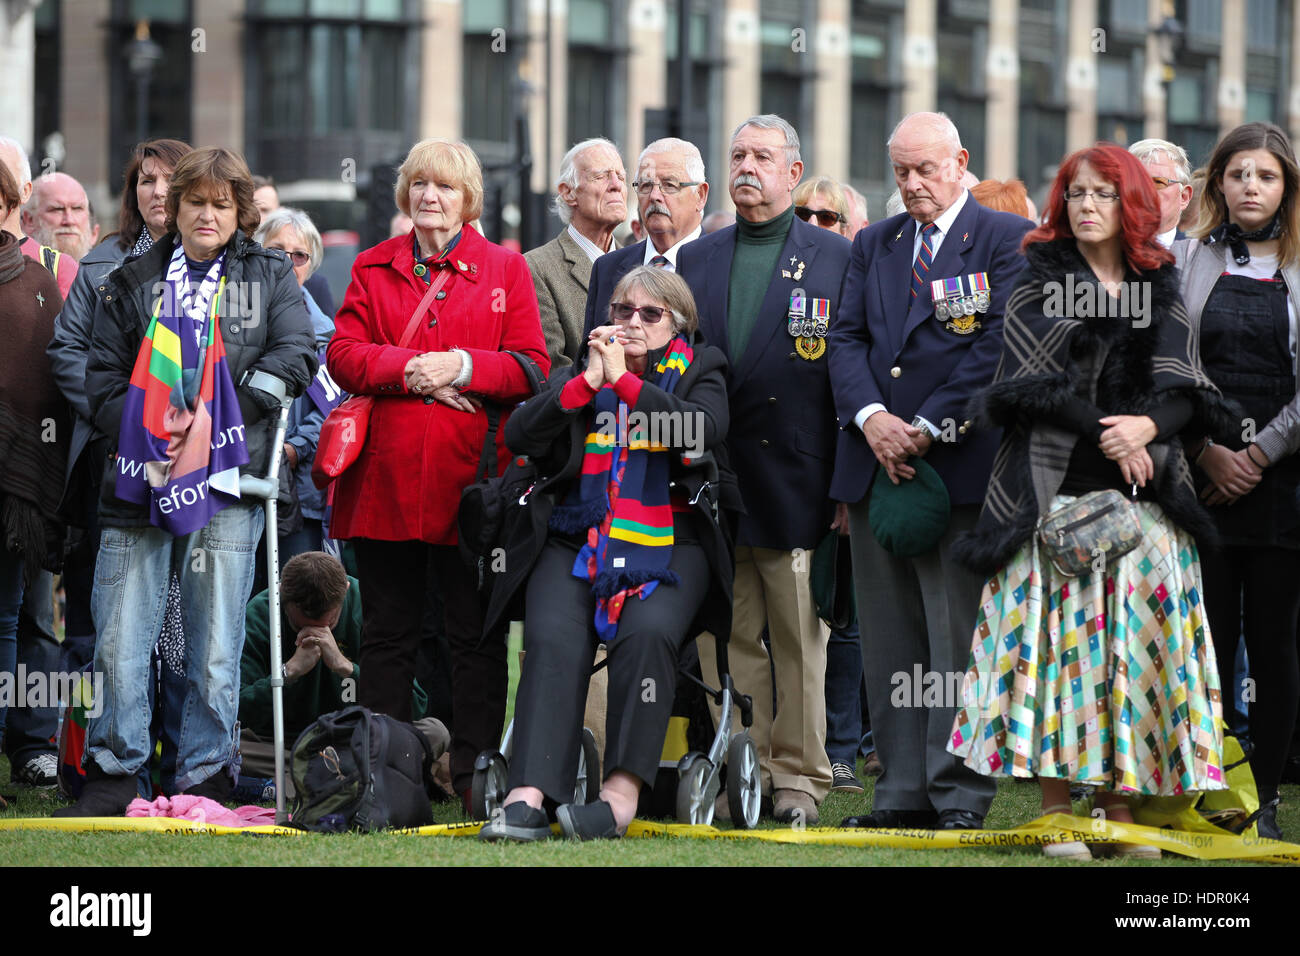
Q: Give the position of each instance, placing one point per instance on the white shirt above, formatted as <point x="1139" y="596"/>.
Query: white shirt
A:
<point x="944" y="223"/>
<point x="671" y="253"/>
<point x="1166" y="239"/>
<point x="592" y="250"/>
<point x="1263" y="267"/>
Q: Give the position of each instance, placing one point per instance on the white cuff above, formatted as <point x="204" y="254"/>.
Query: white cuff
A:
<point x="861" y="417"/>
<point x="466" y="369"/>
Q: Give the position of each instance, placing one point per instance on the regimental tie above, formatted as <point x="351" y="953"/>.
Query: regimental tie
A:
<point x="923" y="259"/>
<point x="659" y="262"/>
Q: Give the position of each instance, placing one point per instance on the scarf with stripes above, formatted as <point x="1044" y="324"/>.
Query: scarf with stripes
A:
<point x="182" y="436"/>
<point x="621" y="500"/>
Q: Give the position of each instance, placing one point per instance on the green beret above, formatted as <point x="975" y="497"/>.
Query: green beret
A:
<point x="910" y="517"/>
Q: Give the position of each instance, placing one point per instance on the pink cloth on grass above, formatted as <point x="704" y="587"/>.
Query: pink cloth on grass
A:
<point x="201" y="810"/>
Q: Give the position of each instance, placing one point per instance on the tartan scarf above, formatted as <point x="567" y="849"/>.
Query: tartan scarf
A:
<point x="182" y="436"/>
<point x="621" y="499"/>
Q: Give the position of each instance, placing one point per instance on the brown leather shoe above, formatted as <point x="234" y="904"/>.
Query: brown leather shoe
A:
<point x="872" y="766"/>
<point x="794" y="806"/>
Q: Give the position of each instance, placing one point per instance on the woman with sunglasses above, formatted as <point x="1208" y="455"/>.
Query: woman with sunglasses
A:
<point x="1105" y="677"/>
<point x="1240" y="278"/>
<point x="622" y="546"/>
<point x="821" y="200"/>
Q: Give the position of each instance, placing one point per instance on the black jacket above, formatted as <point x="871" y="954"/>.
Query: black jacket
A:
<point x="273" y="335"/>
<point x="554" y="439"/>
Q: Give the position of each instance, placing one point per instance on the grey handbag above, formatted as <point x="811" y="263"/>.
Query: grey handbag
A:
<point x="1098" y="523"/>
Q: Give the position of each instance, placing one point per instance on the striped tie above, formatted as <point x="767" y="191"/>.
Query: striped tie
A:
<point x="659" y="262"/>
<point x="921" y="268"/>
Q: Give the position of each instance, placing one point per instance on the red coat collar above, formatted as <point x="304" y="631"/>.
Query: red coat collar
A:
<point x="467" y="258"/>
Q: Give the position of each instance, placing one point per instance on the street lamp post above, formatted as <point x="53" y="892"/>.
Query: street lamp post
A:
<point x="142" y="56"/>
<point x="1169" y="38"/>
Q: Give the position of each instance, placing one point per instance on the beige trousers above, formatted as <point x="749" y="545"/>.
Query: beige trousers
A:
<point x="773" y="589"/>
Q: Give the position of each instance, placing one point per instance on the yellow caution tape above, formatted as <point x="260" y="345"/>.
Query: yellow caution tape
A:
<point x="1207" y="843"/>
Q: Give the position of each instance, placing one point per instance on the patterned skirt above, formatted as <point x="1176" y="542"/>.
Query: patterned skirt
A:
<point x="1108" y="679"/>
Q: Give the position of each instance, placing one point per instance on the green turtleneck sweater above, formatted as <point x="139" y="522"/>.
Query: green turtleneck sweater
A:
<point x="758" y="246"/>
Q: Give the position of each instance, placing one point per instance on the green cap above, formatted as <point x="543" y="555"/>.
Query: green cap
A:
<point x="910" y="517"/>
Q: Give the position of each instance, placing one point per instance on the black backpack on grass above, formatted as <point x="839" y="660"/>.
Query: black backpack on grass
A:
<point x="357" y="770"/>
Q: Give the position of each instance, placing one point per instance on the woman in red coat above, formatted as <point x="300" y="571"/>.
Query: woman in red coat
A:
<point x="398" y="502"/>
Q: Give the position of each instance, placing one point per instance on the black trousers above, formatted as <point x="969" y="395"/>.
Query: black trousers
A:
<point x="395" y="579"/>
<point x="560" y="645"/>
<point x="1252" y="591"/>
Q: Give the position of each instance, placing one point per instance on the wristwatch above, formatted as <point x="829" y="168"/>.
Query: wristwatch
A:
<point x="921" y="423"/>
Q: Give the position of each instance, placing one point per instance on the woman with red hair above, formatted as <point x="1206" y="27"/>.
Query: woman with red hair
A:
<point x="1105" y="675"/>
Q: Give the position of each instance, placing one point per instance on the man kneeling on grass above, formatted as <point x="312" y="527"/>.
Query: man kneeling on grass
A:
<point x="320" y="620"/>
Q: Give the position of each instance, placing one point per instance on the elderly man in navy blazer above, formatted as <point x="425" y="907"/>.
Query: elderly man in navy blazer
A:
<point x="671" y="191"/>
<point x="903" y="372"/>
<point x="768" y="291"/>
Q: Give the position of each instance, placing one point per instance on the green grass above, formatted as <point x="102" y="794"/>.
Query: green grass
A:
<point x="1016" y="803"/>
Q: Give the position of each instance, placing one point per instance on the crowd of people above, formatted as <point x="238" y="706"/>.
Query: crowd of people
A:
<point x="936" y="387"/>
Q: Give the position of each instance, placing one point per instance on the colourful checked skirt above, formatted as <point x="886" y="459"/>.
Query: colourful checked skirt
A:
<point x="1108" y="679"/>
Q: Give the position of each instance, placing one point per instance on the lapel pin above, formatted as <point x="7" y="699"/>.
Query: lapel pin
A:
<point x="965" y="236"/>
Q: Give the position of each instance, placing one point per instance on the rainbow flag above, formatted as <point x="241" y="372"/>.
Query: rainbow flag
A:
<point x="182" y="436"/>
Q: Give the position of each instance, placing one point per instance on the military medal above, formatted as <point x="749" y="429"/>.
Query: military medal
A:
<point x="821" y="310"/>
<point x="796" y="313"/>
<point x="953" y="306"/>
<point x="798" y="272"/>
<point x="810" y="348"/>
<point x="978" y="282"/>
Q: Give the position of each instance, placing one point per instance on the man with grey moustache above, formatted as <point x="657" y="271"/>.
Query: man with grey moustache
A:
<point x="671" y="192"/>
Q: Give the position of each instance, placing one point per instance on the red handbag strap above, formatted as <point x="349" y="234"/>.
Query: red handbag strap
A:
<point x="438" y="282"/>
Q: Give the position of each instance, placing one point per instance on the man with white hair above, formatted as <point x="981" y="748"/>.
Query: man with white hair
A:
<point x="58" y="215"/>
<point x="919" y="333"/>
<point x="591" y="201"/>
<point x="62" y="267"/>
<point x="1171" y="173"/>
<point x="768" y="290"/>
<point x="672" y="193"/>
<point x="858" y="219"/>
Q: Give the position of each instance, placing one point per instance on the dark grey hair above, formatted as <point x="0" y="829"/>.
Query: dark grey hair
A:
<point x="667" y="288"/>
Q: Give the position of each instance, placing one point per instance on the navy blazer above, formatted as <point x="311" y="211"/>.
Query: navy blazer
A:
<point x="605" y="273"/>
<point x="781" y="442"/>
<point x="890" y="348"/>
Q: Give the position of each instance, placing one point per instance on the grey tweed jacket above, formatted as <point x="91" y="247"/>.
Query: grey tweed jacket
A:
<point x="561" y="272"/>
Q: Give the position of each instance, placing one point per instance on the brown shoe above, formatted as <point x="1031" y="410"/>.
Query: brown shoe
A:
<point x="872" y="766"/>
<point x="794" y="806"/>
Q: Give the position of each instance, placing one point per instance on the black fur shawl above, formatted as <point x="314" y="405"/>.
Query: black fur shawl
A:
<point x="1123" y="365"/>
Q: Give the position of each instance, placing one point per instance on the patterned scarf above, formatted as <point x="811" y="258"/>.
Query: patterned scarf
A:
<point x="1236" y="237"/>
<point x="143" y="244"/>
<point x="621" y="500"/>
<point x="182" y="436"/>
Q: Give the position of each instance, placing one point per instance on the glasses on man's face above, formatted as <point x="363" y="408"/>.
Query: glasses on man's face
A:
<point x="1164" y="182"/>
<point x="668" y="187"/>
<point x="827" y="217"/>
<point x="1079" y="195"/>
<point x="650" y="314"/>
<point x="299" y="258"/>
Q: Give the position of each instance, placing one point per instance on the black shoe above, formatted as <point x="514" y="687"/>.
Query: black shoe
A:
<point x="517" y="822"/>
<point x="1266" y="822"/>
<point x="588" y="821"/>
<point x="102" y="795"/>
<point x="960" y="820"/>
<point x="218" y="787"/>
<point x="893" y="820"/>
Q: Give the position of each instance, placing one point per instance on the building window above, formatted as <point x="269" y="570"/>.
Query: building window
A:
<point x="785" y="36"/>
<point x="168" y="95"/>
<point x="1042" y="43"/>
<point x="875" y="39"/>
<point x="593" y="79"/>
<point x="46" y="112"/>
<point x="705" y="59"/>
<point x="962" y="50"/>
<point x="486" y="73"/>
<point x="327" y="82"/>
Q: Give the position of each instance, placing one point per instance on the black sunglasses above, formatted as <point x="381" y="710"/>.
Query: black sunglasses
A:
<point x="650" y="314"/>
<point x="826" y="217"/>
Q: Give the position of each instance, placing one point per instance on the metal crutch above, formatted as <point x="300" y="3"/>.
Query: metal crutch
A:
<point x="268" y="489"/>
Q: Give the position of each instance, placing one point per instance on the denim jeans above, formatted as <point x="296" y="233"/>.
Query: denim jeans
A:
<point x="29" y="728"/>
<point x="11" y="602"/>
<point x="215" y="566"/>
<point x="845" y="696"/>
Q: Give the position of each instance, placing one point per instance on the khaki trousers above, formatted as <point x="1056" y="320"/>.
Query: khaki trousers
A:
<point x="773" y="590"/>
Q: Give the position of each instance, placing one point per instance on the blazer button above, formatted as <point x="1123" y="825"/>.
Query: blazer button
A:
<point x="764" y="443"/>
<point x="772" y="400"/>
<point x="895" y="372"/>
<point x="794" y="355"/>
<point x="961" y="430"/>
